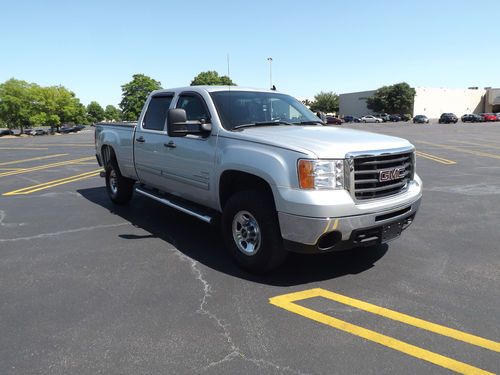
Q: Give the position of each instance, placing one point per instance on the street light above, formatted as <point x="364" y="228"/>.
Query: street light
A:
<point x="270" y="59"/>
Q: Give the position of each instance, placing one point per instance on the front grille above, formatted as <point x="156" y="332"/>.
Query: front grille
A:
<point x="367" y="172"/>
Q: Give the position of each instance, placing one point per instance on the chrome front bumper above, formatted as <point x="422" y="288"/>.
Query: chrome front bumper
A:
<point x="302" y="234"/>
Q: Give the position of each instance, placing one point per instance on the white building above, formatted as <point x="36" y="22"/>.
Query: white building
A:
<point x="431" y="102"/>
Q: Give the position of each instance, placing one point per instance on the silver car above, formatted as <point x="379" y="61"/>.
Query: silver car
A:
<point x="370" y="118"/>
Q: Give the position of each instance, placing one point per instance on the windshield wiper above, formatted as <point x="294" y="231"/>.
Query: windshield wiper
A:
<point x="312" y="122"/>
<point x="262" y="123"/>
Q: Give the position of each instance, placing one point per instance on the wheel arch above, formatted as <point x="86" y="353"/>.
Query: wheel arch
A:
<point x="233" y="181"/>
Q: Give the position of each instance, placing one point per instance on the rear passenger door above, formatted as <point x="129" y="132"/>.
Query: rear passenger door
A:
<point x="150" y="139"/>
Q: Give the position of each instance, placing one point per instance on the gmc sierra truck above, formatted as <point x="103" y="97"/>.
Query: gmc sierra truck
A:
<point x="265" y="168"/>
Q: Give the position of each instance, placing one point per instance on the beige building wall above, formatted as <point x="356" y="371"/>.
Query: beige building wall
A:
<point x="354" y="103"/>
<point x="492" y="102"/>
<point x="432" y="102"/>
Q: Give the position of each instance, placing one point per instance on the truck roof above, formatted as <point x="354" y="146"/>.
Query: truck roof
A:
<point x="212" y="89"/>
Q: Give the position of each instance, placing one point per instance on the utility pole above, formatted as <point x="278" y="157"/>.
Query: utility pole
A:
<point x="270" y="59"/>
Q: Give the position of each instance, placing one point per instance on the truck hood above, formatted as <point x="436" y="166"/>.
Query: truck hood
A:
<point x="322" y="141"/>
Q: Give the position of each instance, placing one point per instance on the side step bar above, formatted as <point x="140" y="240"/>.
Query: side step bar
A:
<point x="178" y="205"/>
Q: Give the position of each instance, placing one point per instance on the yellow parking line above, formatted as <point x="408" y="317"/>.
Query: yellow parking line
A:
<point x="33" y="159"/>
<point x="478" y="144"/>
<point x="24" y="148"/>
<point x="70" y="144"/>
<point x="459" y="149"/>
<point x="10" y="169"/>
<point x="46" y="166"/>
<point x="50" y="184"/>
<point x="435" y="158"/>
<point x="286" y="302"/>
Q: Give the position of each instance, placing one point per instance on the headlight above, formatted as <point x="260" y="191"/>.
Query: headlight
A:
<point x="321" y="174"/>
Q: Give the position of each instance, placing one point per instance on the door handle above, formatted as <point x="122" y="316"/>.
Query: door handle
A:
<point x="170" y="144"/>
<point x="140" y="139"/>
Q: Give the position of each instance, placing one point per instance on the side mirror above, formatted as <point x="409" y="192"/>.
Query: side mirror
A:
<point x="176" y="122"/>
<point x="178" y="125"/>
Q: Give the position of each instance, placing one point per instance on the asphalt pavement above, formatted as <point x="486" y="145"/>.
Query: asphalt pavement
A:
<point x="87" y="287"/>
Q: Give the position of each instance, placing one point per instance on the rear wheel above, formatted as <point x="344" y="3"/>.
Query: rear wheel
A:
<point x="119" y="188"/>
<point x="251" y="231"/>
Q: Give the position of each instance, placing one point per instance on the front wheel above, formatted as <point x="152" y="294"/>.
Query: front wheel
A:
<point x="251" y="232"/>
<point x="119" y="188"/>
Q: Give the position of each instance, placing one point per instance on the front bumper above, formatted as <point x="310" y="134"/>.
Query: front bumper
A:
<point x="314" y="235"/>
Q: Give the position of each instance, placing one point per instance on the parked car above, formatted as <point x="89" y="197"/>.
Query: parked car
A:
<point x="384" y="116"/>
<point x="79" y="127"/>
<point x="65" y="129"/>
<point x="333" y="120"/>
<point x="6" y="132"/>
<point x="472" y="117"/>
<point x="395" y="118"/>
<point x="39" y="131"/>
<point x="498" y="116"/>
<point x="405" y="117"/>
<point x="489" y="116"/>
<point x="27" y="131"/>
<point x="447" y="118"/>
<point x="351" y="119"/>
<point x="420" y="119"/>
<point x="370" y="118"/>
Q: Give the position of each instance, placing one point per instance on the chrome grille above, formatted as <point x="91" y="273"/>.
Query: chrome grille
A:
<point x="369" y="172"/>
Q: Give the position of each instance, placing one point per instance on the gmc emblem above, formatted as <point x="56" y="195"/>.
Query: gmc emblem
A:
<point x="391" y="174"/>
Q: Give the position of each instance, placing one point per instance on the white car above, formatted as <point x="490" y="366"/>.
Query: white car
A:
<point x="370" y="118"/>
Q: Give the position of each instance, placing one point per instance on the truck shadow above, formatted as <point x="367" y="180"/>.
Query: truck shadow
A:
<point x="203" y="243"/>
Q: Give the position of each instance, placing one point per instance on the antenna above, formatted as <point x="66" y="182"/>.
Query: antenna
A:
<point x="228" y="74"/>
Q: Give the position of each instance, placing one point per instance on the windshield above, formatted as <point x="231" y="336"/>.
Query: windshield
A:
<point x="238" y="108"/>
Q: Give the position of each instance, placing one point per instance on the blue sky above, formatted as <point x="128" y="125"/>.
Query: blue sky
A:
<point x="93" y="47"/>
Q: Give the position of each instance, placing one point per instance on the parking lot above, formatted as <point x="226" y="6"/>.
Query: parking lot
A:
<point x="88" y="287"/>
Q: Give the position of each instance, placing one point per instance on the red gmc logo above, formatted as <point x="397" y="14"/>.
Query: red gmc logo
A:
<point x="391" y="174"/>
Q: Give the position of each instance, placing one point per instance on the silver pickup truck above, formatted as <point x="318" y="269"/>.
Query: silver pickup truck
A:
<point x="266" y="168"/>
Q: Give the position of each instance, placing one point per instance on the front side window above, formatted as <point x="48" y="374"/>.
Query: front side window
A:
<point x="156" y="113"/>
<point x="194" y="107"/>
<point x="238" y="108"/>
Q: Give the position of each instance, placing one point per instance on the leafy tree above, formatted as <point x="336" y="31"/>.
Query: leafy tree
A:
<point x="111" y="113"/>
<point x="95" y="113"/>
<point x="135" y="93"/>
<point x="325" y="102"/>
<point x="25" y="104"/>
<point x="55" y="105"/>
<point x="396" y="98"/>
<point x="211" y="78"/>
<point x="15" y="103"/>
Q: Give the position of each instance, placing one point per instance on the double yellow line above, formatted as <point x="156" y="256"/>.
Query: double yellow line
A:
<point x="50" y="184"/>
<point x="435" y="158"/>
<point x="460" y="149"/>
<point x="46" y="166"/>
<point x="32" y="159"/>
<point x="287" y="302"/>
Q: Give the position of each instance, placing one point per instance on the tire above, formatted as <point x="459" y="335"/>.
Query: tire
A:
<point x="251" y="216"/>
<point x="364" y="121"/>
<point x="119" y="188"/>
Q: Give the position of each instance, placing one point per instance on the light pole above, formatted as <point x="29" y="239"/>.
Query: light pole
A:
<point x="270" y="59"/>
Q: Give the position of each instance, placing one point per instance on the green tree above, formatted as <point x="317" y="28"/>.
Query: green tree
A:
<point x="211" y="78"/>
<point x="325" y="102"/>
<point x="25" y="104"/>
<point x="111" y="113"/>
<point x="135" y="93"/>
<point x="55" y="105"/>
<point x="16" y="103"/>
<point x="95" y="113"/>
<point x="396" y="98"/>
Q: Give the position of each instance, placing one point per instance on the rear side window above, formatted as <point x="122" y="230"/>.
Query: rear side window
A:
<point x="157" y="113"/>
